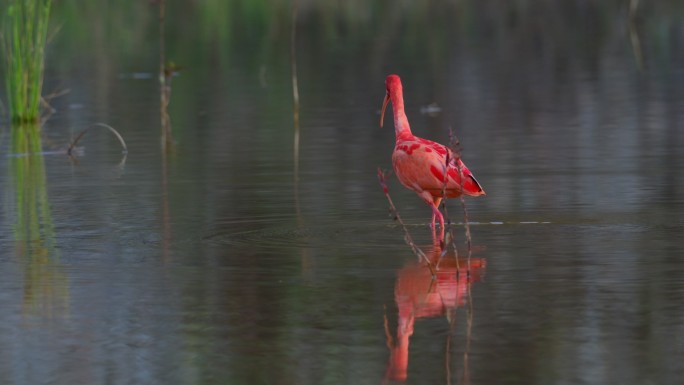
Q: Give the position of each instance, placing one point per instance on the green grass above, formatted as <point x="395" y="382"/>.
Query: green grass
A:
<point x="24" y="36"/>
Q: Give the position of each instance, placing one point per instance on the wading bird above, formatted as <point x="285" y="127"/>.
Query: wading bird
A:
<point x="421" y="164"/>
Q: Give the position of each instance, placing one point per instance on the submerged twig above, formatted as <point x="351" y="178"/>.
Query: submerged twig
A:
<point x="382" y="176"/>
<point x="110" y="128"/>
<point x="46" y="99"/>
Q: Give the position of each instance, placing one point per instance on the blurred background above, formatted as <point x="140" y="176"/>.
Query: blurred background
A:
<point x="256" y="246"/>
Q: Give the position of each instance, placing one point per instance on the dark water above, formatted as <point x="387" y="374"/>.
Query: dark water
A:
<point x="225" y="262"/>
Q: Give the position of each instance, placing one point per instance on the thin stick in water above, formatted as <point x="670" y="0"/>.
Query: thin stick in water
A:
<point x="382" y="177"/>
<point x="455" y="145"/>
<point x="110" y="128"/>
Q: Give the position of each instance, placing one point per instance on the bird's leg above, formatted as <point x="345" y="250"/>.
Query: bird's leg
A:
<point x="435" y="204"/>
<point x="435" y="212"/>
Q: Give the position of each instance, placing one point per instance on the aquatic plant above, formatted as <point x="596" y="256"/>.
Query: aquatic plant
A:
<point x="24" y="36"/>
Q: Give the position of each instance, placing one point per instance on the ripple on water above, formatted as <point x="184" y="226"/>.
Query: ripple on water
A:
<point x="344" y="234"/>
<point x="365" y="234"/>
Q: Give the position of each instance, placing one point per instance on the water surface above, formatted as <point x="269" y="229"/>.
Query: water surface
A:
<point x="226" y="262"/>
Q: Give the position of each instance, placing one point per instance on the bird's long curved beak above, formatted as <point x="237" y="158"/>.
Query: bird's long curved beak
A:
<point x="384" y="106"/>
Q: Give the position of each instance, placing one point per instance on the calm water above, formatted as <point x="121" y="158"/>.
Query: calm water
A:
<point x="224" y="263"/>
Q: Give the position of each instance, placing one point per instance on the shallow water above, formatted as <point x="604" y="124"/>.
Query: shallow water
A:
<point x="226" y="262"/>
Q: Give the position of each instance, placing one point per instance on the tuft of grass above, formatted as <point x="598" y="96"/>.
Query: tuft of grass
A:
<point x="24" y="37"/>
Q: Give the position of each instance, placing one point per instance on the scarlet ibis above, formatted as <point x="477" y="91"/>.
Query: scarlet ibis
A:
<point x="421" y="164"/>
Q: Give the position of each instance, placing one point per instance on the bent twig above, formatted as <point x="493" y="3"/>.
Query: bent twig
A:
<point x="110" y="128"/>
<point x="407" y="236"/>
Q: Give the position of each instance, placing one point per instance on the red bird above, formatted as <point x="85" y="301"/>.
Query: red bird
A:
<point x="420" y="164"/>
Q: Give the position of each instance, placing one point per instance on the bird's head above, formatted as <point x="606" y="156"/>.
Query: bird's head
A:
<point x="392" y="85"/>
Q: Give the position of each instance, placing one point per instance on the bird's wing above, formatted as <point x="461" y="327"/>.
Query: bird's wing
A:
<point x="420" y="165"/>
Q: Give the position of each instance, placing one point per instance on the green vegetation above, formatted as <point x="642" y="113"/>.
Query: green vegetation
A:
<point x="24" y="36"/>
<point x="24" y="39"/>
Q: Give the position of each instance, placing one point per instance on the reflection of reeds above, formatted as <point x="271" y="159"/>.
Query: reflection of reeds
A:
<point x="165" y="75"/>
<point x="295" y="89"/>
<point x="455" y="146"/>
<point x="166" y="71"/>
<point x="24" y="40"/>
<point x="634" y="34"/>
<point x="28" y="171"/>
<point x="45" y="289"/>
<point x="469" y="333"/>
<point x="451" y="316"/>
<point x="305" y="257"/>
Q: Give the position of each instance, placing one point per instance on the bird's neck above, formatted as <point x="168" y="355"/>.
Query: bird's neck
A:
<point x="401" y="124"/>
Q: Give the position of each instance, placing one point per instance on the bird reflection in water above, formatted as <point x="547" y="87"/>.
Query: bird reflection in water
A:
<point x="418" y="295"/>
